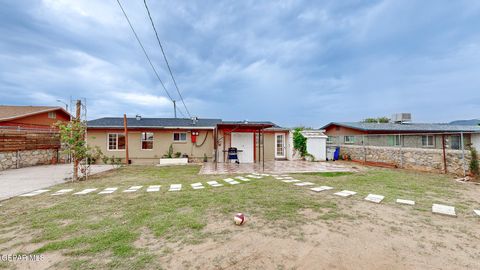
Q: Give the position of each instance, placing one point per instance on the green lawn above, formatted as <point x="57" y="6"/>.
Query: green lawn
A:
<point x="101" y="231"/>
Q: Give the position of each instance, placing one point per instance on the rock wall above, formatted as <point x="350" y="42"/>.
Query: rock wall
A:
<point x="26" y="158"/>
<point x="423" y="159"/>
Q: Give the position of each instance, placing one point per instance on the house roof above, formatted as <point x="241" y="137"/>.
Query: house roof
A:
<point x="117" y="122"/>
<point x="8" y="112"/>
<point x="405" y="127"/>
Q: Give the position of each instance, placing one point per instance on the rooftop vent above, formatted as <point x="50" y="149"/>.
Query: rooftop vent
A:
<point x="194" y="120"/>
<point x="138" y="117"/>
<point x="400" y="118"/>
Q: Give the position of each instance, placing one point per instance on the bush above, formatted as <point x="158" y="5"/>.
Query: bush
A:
<point x="474" y="170"/>
<point x="299" y="142"/>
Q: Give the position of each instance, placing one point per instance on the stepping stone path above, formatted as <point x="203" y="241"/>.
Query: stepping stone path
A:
<point x="108" y="190"/>
<point x="175" y="187"/>
<point x="231" y="181"/>
<point x="197" y="185"/>
<point x="154" y="188"/>
<point x="345" y="193"/>
<point x="291" y="181"/>
<point x="85" y="191"/>
<point x="133" y="189"/>
<point x="374" y="198"/>
<point x="321" y="188"/>
<point x="443" y="210"/>
<point x="62" y="191"/>
<point x="477" y="212"/>
<point x="303" y="184"/>
<point x="407" y="202"/>
<point x="214" y="184"/>
<point x="242" y="178"/>
<point x="254" y="176"/>
<point x="35" y="193"/>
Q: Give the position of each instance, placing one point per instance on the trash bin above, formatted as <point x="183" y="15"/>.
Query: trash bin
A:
<point x="330" y="153"/>
<point x="336" y="154"/>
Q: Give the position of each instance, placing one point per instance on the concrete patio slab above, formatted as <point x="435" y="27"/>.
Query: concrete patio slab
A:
<point x="445" y="210"/>
<point x="24" y="180"/>
<point x="345" y="193"/>
<point x="274" y="167"/>
<point x="407" y="202"/>
<point x="374" y="198"/>
<point x="321" y="188"/>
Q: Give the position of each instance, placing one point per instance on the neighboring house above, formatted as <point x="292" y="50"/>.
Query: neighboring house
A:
<point x="28" y="137"/>
<point x="36" y="117"/>
<point x="150" y="138"/>
<point x="432" y="147"/>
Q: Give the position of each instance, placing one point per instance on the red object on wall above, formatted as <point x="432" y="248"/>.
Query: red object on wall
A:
<point x="194" y="136"/>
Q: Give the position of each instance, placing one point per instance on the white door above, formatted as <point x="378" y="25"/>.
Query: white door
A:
<point x="244" y="142"/>
<point x="280" y="151"/>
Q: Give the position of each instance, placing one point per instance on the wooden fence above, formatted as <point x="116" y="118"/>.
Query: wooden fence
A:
<point x="28" y="139"/>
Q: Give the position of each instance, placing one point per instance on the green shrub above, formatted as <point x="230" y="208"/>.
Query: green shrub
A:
<point x="474" y="170"/>
<point x="299" y="142"/>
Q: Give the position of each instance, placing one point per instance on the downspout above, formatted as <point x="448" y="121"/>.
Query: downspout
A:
<point x="126" y="137"/>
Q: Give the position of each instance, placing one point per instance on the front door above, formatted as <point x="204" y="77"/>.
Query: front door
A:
<point x="243" y="141"/>
<point x="280" y="145"/>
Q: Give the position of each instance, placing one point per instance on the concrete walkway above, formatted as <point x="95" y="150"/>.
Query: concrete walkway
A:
<point x="19" y="181"/>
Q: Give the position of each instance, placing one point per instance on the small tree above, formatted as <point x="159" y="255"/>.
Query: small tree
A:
<point x="299" y="142"/>
<point x="72" y="136"/>
<point x="474" y="169"/>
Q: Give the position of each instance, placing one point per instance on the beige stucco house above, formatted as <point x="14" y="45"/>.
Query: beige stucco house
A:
<point x="149" y="139"/>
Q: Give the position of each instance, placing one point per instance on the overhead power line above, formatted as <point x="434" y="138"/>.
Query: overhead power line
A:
<point x="148" y="57"/>
<point x="165" y="58"/>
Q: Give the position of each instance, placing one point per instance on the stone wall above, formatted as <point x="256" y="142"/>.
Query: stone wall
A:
<point x="423" y="159"/>
<point x="26" y="158"/>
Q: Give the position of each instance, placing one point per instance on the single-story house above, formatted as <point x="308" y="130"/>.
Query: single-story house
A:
<point x="28" y="137"/>
<point x="150" y="138"/>
<point x="428" y="147"/>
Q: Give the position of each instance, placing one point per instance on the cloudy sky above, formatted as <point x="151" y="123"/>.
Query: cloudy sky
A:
<point x="291" y="62"/>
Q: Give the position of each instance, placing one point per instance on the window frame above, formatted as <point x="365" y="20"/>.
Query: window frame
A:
<point x="116" y="141"/>
<point x="349" y="141"/>
<point x="459" y="142"/>
<point x="427" y="145"/>
<point x="144" y="139"/>
<point x="179" y="137"/>
<point x="52" y="115"/>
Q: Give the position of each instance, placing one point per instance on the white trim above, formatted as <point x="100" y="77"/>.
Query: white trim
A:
<point x="141" y="141"/>
<point x="179" y="141"/>
<point x="116" y="143"/>
<point x="284" y="145"/>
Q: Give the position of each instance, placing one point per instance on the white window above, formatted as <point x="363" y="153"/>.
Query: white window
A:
<point x="455" y="142"/>
<point x="147" y="140"/>
<point x="329" y="139"/>
<point x="179" y="137"/>
<point x="349" y="139"/>
<point x="116" y="141"/>
<point x="52" y="115"/>
<point x="428" y="141"/>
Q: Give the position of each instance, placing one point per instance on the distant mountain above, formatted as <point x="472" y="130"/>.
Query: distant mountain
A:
<point x="472" y="122"/>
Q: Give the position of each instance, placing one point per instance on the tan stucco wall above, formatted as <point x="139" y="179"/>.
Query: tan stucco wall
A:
<point x="161" y="143"/>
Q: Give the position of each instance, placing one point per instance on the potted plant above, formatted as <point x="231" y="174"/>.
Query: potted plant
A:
<point x="173" y="158"/>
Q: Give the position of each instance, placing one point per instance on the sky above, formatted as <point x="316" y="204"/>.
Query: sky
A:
<point x="296" y="63"/>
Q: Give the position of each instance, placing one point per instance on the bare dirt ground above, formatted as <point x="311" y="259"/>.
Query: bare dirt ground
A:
<point x="371" y="237"/>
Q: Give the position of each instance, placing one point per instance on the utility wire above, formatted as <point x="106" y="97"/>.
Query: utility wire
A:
<point x="148" y="57"/>
<point x="165" y="58"/>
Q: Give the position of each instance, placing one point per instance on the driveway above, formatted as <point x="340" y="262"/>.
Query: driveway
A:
<point x="19" y="181"/>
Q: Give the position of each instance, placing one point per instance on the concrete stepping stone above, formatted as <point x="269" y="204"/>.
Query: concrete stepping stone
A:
<point x="264" y="174"/>
<point x="242" y="178"/>
<point x="374" y="198"/>
<point x="254" y="176"/>
<point x="407" y="202"/>
<point x="197" y="185"/>
<point x="231" y="181"/>
<point x="284" y="175"/>
<point x="133" y="189"/>
<point x="303" y="184"/>
<point x="62" y="191"/>
<point x="321" y="188"/>
<point x="279" y="178"/>
<point x="35" y="193"/>
<point x="288" y="177"/>
<point x="109" y="190"/>
<point x="175" y="187"/>
<point x="85" y="191"/>
<point x="477" y="212"/>
<point x="291" y="181"/>
<point x="214" y="184"/>
<point x="443" y="210"/>
<point x="345" y="193"/>
<point x="153" y="188"/>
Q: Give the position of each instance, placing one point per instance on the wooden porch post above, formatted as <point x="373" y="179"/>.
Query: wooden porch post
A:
<point x="126" y="137"/>
<point x="444" y="154"/>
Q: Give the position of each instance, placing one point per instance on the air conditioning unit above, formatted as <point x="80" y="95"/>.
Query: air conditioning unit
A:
<point x="402" y="118"/>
